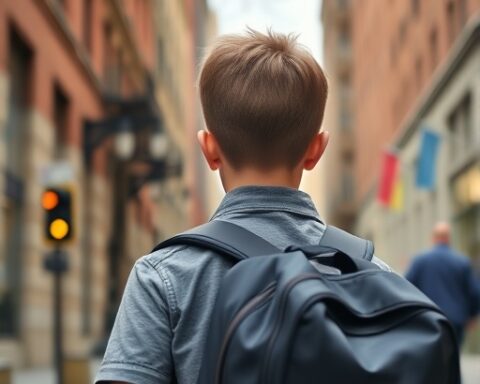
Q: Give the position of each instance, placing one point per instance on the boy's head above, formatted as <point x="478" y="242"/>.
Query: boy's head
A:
<point x="263" y="98"/>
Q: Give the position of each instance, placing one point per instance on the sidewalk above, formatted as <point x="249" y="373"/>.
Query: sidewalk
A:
<point x="37" y="376"/>
<point x="45" y="375"/>
<point x="471" y="369"/>
<point x="470" y="372"/>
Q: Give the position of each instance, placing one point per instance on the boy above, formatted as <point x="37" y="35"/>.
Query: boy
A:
<point x="263" y="98"/>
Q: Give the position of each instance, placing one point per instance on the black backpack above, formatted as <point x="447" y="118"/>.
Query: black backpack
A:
<point x="318" y="314"/>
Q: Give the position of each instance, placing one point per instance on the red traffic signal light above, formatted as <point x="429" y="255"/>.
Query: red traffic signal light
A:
<point x="49" y="200"/>
<point x="57" y="204"/>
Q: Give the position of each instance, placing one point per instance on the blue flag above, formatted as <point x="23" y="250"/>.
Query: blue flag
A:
<point x="427" y="159"/>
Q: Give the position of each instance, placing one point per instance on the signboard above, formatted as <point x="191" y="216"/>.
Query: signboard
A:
<point x="57" y="173"/>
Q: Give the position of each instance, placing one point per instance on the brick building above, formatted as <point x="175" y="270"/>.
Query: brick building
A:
<point x="413" y="65"/>
<point x="379" y="59"/>
<point x="397" y="49"/>
<point x="69" y="68"/>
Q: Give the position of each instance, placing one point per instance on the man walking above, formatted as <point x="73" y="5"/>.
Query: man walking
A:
<point x="447" y="278"/>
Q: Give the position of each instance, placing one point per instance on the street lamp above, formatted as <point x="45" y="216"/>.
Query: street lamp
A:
<point x="159" y="145"/>
<point x="142" y="146"/>
<point x="124" y="141"/>
<point x="122" y="128"/>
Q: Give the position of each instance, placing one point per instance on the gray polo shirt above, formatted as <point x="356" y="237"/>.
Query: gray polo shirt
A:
<point x="161" y="326"/>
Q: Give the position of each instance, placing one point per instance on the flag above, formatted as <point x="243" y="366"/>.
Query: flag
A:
<point x="387" y="178"/>
<point x="396" y="202"/>
<point x="427" y="159"/>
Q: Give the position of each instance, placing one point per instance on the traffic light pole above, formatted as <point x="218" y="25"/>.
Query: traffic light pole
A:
<point x="57" y="332"/>
<point x="56" y="262"/>
<point x="58" y="209"/>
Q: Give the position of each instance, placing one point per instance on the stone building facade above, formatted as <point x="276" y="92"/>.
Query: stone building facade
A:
<point x="414" y="66"/>
<point x="450" y="107"/>
<point x="391" y="55"/>
<point x="65" y="65"/>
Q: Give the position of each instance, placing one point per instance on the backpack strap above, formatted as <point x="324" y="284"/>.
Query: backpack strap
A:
<point x="239" y="243"/>
<point x="347" y="243"/>
<point x="225" y="238"/>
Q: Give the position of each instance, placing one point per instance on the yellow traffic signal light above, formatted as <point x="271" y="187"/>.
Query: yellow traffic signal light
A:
<point x="59" y="229"/>
<point x="57" y="204"/>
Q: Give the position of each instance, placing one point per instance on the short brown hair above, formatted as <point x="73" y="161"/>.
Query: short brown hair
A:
<point x="263" y="98"/>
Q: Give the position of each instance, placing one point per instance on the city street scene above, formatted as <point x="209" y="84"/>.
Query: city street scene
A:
<point x="104" y="155"/>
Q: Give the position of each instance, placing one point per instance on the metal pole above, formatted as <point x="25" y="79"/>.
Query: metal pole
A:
<point x="57" y="314"/>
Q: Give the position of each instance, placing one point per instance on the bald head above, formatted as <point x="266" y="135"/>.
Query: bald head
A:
<point x="441" y="233"/>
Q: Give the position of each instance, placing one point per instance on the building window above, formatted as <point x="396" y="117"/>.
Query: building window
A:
<point x="460" y="128"/>
<point x="344" y="101"/>
<point x="415" y="7"/>
<point x="347" y="186"/>
<point x="344" y="37"/>
<point x="451" y="20"/>
<point x="112" y="73"/>
<point x="61" y="106"/>
<point x="466" y="219"/>
<point x="405" y="96"/>
<point x="19" y="70"/>
<point x="434" y="48"/>
<point x="87" y="24"/>
<point x="419" y="72"/>
<point x="344" y="41"/>
<point x="345" y="91"/>
<point x="345" y="120"/>
<point x="466" y="189"/>
<point x="462" y="12"/>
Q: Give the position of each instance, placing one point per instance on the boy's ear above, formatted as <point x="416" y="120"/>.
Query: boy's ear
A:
<point x="210" y="149"/>
<point x="315" y="150"/>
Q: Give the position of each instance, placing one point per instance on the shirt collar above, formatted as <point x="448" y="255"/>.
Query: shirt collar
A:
<point x="266" y="198"/>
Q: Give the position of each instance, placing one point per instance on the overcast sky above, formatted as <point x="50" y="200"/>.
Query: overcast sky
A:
<point x="298" y="16"/>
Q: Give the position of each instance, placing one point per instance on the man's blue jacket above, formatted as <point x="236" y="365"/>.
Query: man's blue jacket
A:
<point x="447" y="278"/>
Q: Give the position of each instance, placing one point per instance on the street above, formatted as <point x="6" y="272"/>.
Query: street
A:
<point x="126" y="122"/>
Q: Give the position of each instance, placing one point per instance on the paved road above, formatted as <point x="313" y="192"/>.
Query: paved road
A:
<point x="470" y="371"/>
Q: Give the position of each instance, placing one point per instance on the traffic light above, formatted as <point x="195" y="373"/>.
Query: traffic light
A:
<point x="57" y="204"/>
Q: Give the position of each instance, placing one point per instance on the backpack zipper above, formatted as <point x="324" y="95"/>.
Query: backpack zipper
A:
<point x="278" y="321"/>
<point x="246" y="310"/>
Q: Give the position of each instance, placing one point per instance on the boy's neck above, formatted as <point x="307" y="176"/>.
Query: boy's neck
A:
<point x="272" y="178"/>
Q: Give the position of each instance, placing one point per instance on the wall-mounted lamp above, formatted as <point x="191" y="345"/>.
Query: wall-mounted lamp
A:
<point x="159" y="145"/>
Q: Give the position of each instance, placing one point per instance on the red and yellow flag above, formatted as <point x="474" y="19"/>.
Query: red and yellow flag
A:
<point x="388" y="177"/>
<point x="397" y="198"/>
